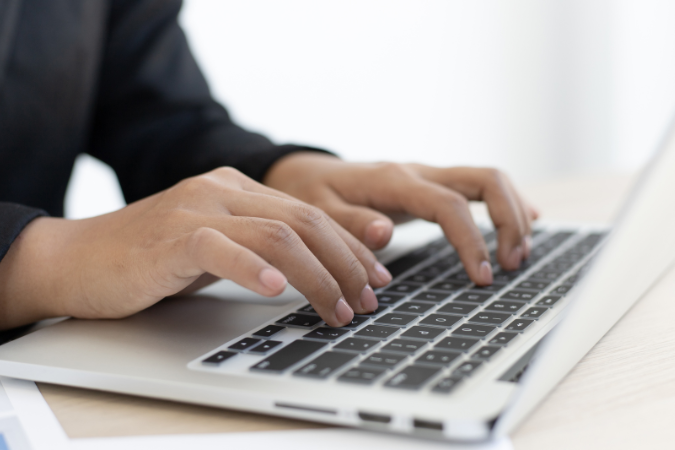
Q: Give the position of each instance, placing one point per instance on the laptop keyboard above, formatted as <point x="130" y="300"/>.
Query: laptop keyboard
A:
<point x="433" y="328"/>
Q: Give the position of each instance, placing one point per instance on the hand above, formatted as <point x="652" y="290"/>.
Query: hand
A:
<point x="218" y="225"/>
<point x="364" y="198"/>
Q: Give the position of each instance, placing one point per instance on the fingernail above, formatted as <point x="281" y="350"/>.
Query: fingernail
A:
<point x="383" y="274"/>
<point x="272" y="279"/>
<point x="343" y="312"/>
<point x="375" y="232"/>
<point x="515" y="257"/>
<point x="527" y="246"/>
<point x="368" y="299"/>
<point x="485" y="272"/>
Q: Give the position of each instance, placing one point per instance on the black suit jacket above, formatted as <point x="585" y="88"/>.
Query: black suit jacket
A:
<point x="114" y="79"/>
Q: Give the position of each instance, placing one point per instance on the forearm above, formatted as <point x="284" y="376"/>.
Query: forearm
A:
<point x="28" y="288"/>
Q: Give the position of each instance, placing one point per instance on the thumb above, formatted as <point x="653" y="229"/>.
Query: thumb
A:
<point x="372" y="228"/>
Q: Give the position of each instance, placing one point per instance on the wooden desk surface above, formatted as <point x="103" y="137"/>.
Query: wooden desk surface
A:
<point x="621" y="395"/>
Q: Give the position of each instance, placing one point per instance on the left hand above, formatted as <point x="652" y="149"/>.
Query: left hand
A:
<point x="367" y="198"/>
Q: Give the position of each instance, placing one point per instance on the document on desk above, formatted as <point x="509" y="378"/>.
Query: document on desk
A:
<point x="27" y="423"/>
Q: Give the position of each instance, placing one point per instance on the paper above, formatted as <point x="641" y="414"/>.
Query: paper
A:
<point x="27" y="423"/>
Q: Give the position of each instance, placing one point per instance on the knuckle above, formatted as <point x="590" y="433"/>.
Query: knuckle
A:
<point x="198" y="239"/>
<point x="280" y="233"/>
<point x="495" y="176"/>
<point x="456" y="201"/>
<point x="393" y="169"/>
<point x="325" y="281"/>
<point x="309" y="215"/>
<point x="197" y="185"/>
<point x="228" y="172"/>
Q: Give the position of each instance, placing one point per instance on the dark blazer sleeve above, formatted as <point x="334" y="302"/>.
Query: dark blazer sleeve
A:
<point x="14" y="219"/>
<point x="155" y="121"/>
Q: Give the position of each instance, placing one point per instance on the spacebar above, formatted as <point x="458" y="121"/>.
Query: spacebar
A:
<point x="288" y="356"/>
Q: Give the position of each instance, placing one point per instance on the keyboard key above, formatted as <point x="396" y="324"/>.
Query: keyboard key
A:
<point x="519" y="294"/>
<point x="506" y="276"/>
<point x="414" y="307"/>
<point x="506" y="305"/>
<point x="461" y="277"/>
<point x="399" y="320"/>
<point x="324" y="365"/>
<point x="362" y="375"/>
<point x="244" y="344"/>
<point x="549" y="300"/>
<point x="288" y="356"/>
<point x="412" y="377"/>
<point x="494" y="287"/>
<point x="519" y="324"/>
<point x="216" y="359"/>
<point x="571" y="281"/>
<point x="456" y="343"/>
<point x="382" y="359"/>
<point x="356" y="321"/>
<point x="421" y="278"/>
<point x="402" y="264"/>
<point x="448" y="286"/>
<point x="307" y="309"/>
<point x="426" y="333"/>
<point x="402" y="288"/>
<point x="486" y="352"/>
<point x="473" y="297"/>
<point x="466" y="369"/>
<point x="386" y="298"/>
<point x="265" y="347"/>
<point x="326" y="334"/>
<point x="299" y="320"/>
<point x="376" y="331"/>
<point x="356" y="345"/>
<point x="545" y="275"/>
<point x="407" y="346"/>
<point x="494" y="318"/>
<point x="376" y="312"/>
<point x="437" y="358"/>
<point x="440" y="320"/>
<point x="268" y="331"/>
<point x="457" y="308"/>
<point x="469" y="329"/>
<point x="502" y="338"/>
<point x="447" y="385"/>
<point x="429" y="296"/>
<point x="534" y="285"/>
<point x="534" y="313"/>
<point x="562" y="289"/>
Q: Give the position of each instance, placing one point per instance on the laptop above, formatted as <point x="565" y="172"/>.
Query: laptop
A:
<point x="440" y="358"/>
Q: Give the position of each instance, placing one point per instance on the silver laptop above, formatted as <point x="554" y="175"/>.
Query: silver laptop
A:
<point x="441" y="358"/>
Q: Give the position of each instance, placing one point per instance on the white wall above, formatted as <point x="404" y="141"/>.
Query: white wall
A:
<point x="537" y="88"/>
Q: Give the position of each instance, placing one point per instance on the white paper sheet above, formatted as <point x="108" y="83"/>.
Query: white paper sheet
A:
<point x="24" y="413"/>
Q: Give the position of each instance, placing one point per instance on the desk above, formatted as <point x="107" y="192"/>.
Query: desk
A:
<point x="621" y="395"/>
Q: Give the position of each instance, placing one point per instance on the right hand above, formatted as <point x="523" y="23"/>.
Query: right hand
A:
<point x="218" y="225"/>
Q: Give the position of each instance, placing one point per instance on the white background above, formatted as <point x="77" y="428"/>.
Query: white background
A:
<point x="539" y="89"/>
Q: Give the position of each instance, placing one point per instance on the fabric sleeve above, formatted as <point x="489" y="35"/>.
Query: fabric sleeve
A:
<point x="13" y="219"/>
<point x="155" y="121"/>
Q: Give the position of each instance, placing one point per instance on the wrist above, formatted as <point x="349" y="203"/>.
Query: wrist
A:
<point x="298" y="166"/>
<point x="33" y="274"/>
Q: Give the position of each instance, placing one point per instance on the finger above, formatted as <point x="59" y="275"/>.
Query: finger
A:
<point x="372" y="228"/>
<point x="316" y="232"/>
<point x="277" y="243"/>
<point x="504" y="205"/>
<point x="205" y="250"/>
<point x="378" y="275"/>
<point x="435" y="203"/>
